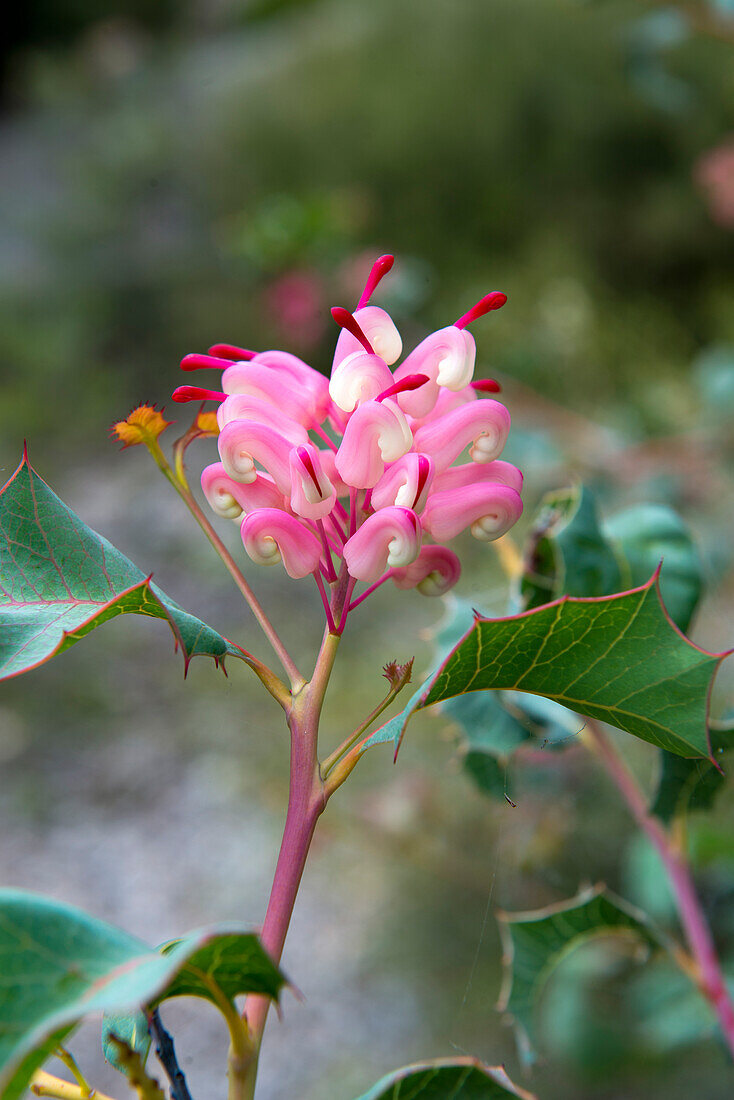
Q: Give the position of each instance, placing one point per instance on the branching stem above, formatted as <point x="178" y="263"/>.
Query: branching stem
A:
<point x="707" y="969"/>
<point x="46" y="1084"/>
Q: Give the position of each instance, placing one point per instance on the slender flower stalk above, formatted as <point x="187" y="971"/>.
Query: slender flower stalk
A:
<point x="706" y="969"/>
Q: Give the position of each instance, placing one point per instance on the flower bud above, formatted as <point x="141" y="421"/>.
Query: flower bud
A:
<point x="386" y="539"/>
<point x="270" y="536"/>
<point x="312" y="494"/>
<point x="489" y="508"/>
<point x="434" y="571"/>
<point x="230" y="498"/>
<point x="405" y="483"/>
<point x="484" y="423"/>
<point x="377" y="432"/>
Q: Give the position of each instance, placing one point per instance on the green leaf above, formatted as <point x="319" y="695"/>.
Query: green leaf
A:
<point x="536" y="942"/>
<point x="132" y="1028"/>
<point x="59" y="580"/>
<point x="686" y="785"/>
<point x="570" y="552"/>
<point x="58" y="965"/>
<point x="449" y="1079"/>
<point x="618" y="659"/>
<point x="567" y="554"/>
<point x="648" y="534"/>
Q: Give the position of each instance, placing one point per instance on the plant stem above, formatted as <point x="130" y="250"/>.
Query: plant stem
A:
<point x="183" y="490"/>
<point x="306" y="801"/>
<point x="707" y="968"/>
<point x="46" y="1084"/>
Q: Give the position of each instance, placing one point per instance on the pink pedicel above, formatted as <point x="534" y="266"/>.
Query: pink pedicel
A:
<point x="434" y="571"/>
<point x="361" y="477"/>
<point x="387" y="539"/>
<point x="270" y="536"/>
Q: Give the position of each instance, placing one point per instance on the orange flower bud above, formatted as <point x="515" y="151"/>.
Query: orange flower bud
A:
<point x="143" y="425"/>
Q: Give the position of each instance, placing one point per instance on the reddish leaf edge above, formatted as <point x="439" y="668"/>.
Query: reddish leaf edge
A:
<point x="653" y="582"/>
<point x="219" y="662"/>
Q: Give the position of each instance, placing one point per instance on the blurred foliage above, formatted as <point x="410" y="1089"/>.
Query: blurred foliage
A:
<point x="167" y="166"/>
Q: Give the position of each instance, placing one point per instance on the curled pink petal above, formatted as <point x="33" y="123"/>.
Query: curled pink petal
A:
<point x="274" y="385"/>
<point x="490" y="509"/>
<point x="484" y="423"/>
<point x="447" y="358"/>
<point x="434" y="571"/>
<point x="311" y="383"/>
<point x="377" y="432"/>
<point x="242" y="406"/>
<point x="405" y="482"/>
<point x="388" y="538"/>
<point x="504" y="473"/>
<point x="357" y="378"/>
<point x="446" y="401"/>
<point x="242" y="443"/>
<point x="230" y="498"/>
<point x="270" y="536"/>
<point x="312" y="494"/>
<point x="380" y="331"/>
<point x="328" y="464"/>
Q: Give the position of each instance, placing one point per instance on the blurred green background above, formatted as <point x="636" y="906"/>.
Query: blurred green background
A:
<point x="221" y="170"/>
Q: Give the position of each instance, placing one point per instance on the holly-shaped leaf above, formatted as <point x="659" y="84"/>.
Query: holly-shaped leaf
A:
<point x="686" y="785"/>
<point x="618" y="659"/>
<point x="536" y="942"/>
<point x="449" y="1079"/>
<point x="567" y="553"/>
<point x="58" y="965"/>
<point x="59" y="580"/>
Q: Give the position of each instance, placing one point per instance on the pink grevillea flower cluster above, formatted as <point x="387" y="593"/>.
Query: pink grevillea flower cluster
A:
<point x="355" y="478"/>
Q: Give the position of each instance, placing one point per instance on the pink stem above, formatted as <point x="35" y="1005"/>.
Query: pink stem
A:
<point x="330" y="573"/>
<point x="368" y="591"/>
<point x="698" y="934"/>
<point x="319" y="431"/>
<point x="325" y="601"/>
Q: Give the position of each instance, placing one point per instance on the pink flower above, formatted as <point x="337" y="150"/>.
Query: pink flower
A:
<point x="312" y="494"/>
<point x="434" y="571"/>
<point x="270" y="536"/>
<point x="390" y="537"/>
<point x="230" y="498"/>
<point x="345" y="478"/>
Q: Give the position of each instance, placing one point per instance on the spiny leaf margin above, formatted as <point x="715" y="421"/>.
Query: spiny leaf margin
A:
<point x="34" y="631"/>
<point x="685" y="688"/>
<point x="536" y="941"/>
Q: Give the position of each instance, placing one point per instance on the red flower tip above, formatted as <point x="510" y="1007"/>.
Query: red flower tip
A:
<point x="345" y="320"/>
<point x="486" y="385"/>
<point x="231" y="351"/>
<point x="495" y="300"/>
<point x="410" y="382"/>
<point x="379" y="270"/>
<point x="196" y="393"/>
<point x="204" y="362"/>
